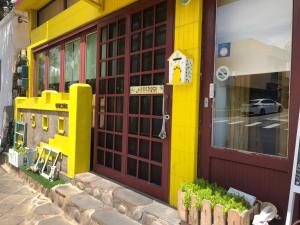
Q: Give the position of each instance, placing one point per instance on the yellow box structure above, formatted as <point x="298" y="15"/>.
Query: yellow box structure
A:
<point x="76" y="146"/>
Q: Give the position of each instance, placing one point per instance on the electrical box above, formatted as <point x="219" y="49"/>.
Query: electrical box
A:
<point x="180" y="68"/>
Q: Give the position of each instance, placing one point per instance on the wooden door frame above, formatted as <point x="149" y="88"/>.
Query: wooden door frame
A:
<point x="133" y="182"/>
<point x="206" y="151"/>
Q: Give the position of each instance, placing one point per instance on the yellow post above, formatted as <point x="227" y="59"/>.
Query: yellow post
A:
<point x="185" y="111"/>
<point x="80" y="119"/>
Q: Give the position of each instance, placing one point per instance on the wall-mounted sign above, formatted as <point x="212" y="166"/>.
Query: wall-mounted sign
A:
<point x="180" y="68"/>
<point x="185" y="2"/>
<point x="222" y="73"/>
<point x="224" y="49"/>
<point x="295" y="182"/>
<point x="147" y="90"/>
<point x="61" y="105"/>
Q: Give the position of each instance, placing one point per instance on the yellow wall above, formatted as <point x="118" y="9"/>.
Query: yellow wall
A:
<point x="66" y="22"/>
<point x="185" y="112"/>
<point x="77" y="145"/>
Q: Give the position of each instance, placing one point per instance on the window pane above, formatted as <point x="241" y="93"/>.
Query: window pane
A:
<point x="148" y="17"/>
<point x="72" y="58"/>
<point x="161" y="12"/>
<point x="54" y="68"/>
<point x="252" y="75"/>
<point x="136" y="21"/>
<point x="91" y="60"/>
<point x="40" y="72"/>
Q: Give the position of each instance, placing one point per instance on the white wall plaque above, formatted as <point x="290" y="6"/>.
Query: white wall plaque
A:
<point x="147" y="90"/>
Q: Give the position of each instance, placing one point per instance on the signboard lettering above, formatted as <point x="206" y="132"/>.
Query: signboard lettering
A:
<point x="147" y="90"/>
<point x="61" y="105"/>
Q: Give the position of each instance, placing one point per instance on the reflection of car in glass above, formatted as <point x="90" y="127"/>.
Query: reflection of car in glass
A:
<point x="261" y="106"/>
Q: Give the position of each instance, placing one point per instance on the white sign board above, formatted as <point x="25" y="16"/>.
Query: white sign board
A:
<point x="147" y="90"/>
<point x="295" y="182"/>
<point x="248" y="198"/>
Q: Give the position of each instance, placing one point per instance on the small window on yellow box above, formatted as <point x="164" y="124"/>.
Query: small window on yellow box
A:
<point x="21" y="117"/>
<point x="33" y="120"/>
<point x="45" y="123"/>
<point x="61" y="125"/>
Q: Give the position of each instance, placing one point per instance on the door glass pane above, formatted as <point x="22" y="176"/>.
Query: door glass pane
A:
<point x="40" y="78"/>
<point x="54" y="68"/>
<point x="252" y="75"/>
<point x="72" y="58"/>
<point x="91" y="60"/>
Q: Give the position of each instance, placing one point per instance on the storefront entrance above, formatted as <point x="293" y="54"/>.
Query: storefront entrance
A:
<point x="249" y="96"/>
<point x="133" y="47"/>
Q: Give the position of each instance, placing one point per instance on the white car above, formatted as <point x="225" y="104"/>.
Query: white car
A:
<point x="261" y="107"/>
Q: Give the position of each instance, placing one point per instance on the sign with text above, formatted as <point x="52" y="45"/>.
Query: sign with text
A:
<point x="295" y="182"/>
<point x="147" y="90"/>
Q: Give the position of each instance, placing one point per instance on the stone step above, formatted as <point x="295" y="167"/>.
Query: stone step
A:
<point x="138" y="207"/>
<point x="111" y="217"/>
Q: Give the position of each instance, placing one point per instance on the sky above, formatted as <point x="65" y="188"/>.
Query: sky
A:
<point x="269" y="21"/>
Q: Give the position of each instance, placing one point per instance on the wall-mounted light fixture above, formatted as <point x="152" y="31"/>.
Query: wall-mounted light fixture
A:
<point x="22" y="19"/>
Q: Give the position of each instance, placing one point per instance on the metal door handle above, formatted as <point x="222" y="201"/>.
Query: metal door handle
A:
<point x="163" y="134"/>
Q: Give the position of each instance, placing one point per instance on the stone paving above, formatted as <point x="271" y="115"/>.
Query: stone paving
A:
<point x="20" y="204"/>
<point x="88" y="200"/>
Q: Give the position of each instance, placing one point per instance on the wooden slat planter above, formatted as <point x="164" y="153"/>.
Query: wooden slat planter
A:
<point x="182" y="210"/>
<point x="194" y="214"/>
<point x="213" y="216"/>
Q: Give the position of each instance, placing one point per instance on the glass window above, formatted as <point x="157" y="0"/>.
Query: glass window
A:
<point x="91" y="60"/>
<point x="54" y="68"/>
<point x="72" y="60"/>
<point x="40" y="73"/>
<point x="252" y="75"/>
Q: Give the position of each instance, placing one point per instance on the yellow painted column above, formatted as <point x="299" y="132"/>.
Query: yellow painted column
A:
<point x="185" y="111"/>
<point x="30" y="58"/>
<point x="32" y="25"/>
<point x="80" y="125"/>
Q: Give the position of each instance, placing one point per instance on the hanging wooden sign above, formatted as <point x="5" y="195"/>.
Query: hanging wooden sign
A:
<point x="147" y="90"/>
<point x="295" y="182"/>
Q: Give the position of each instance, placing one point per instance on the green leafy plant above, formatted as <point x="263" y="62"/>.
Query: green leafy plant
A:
<point x="21" y="149"/>
<point x="203" y="190"/>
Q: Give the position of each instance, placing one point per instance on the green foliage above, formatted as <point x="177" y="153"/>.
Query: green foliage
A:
<point x="43" y="181"/>
<point x="202" y="189"/>
<point x="21" y="149"/>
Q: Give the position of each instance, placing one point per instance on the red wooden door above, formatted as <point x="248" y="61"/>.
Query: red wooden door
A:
<point x="252" y="156"/>
<point x="134" y="44"/>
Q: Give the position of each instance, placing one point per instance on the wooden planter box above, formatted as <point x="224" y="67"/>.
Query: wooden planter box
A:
<point x="213" y="216"/>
